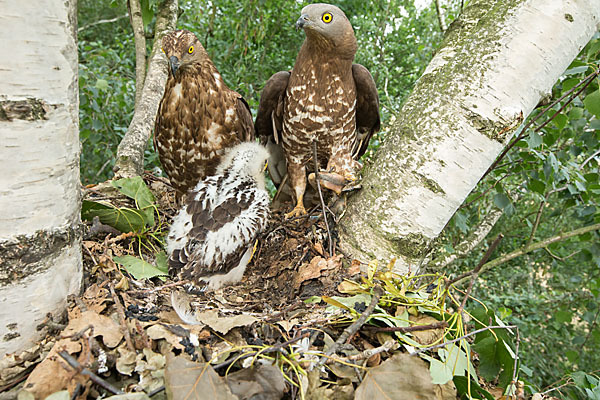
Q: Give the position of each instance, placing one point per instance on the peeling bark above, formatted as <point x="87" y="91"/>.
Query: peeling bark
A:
<point x="40" y="241"/>
<point x="496" y="62"/>
<point x="137" y="23"/>
<point x="130" y="153"/>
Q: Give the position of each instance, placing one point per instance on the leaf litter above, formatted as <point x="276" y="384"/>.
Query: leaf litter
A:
<point x="134" y="333"/>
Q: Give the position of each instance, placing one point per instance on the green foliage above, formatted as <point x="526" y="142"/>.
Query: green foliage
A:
<point x="141" y="269"/>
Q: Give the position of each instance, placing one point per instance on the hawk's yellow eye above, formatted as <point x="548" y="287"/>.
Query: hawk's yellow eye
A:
<point x="191" y="49"/>
<point x="327" y="17"/>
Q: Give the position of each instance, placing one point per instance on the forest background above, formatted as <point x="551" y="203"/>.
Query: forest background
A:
<point x="546" y="184"/>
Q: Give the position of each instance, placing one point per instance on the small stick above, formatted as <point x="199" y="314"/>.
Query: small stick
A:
<point x="437" y="346"/>
<point x="86" y="372"/>
<point x="486" y="256"/>
<point x="475" y="272"/>
<point x="271" y="349"/>
<point x="354" y="327"/>
<point x="404" y="329"/>
<point x="123" y="322"/>
<point x="514" y="377"/>
<point x="366" y="354"/>
<point x="323" y="207"/>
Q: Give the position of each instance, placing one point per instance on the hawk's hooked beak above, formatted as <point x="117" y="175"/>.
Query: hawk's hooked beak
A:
<point x="174" y="64"/>
<point x="302" y="21"/>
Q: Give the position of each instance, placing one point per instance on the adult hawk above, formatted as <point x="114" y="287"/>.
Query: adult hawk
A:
<point x="212" y="238"/>
<point x="324" y="99"/>
<point x="199" y="116"/>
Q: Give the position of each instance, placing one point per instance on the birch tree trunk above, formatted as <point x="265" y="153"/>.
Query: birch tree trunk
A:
<point x="40" y="244"/>
<point x="496" y="62"/>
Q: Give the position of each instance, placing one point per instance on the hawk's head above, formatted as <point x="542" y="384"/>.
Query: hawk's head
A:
<point x="327" y="26"/>
<point x="182" y="48"/>
<point x="246" y="159"/>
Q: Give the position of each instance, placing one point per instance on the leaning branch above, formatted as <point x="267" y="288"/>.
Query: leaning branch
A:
<point x="137" y="23"/>
<point x="100" y="22"/>
<point x="441" y="16"/>
<point x="130" y="153"/>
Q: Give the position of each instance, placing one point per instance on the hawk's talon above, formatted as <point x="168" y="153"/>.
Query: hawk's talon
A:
<point x="298" y="211"/>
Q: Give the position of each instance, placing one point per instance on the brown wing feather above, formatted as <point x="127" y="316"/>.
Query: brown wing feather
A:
<point x="367" y="108"/>
<point x="269" y="120"/>
<point x="246" y="129"/>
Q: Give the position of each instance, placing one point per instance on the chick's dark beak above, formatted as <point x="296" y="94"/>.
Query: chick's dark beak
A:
<point x="174" y="64"/>
<point x="302" y="21"/>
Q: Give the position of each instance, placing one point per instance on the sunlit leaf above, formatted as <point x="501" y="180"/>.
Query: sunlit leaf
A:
<point x="138" y="268"/>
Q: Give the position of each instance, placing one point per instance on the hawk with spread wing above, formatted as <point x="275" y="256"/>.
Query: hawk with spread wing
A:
<point x="199" y="116"/>
<point x="213" y="236"/>
<point x="324" y="99"/>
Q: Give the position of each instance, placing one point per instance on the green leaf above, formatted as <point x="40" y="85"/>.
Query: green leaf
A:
<point x="147" y="12"/>
<point x="102" y="84"/>
<point x="122" y="219"/>
<point x="576" y="113"/>
<point x="576" y="70"/>
<point x="572" y="355"/>
<point x="489" y="367"/>
<point x="138" y="268"/>
<point x="534" y="140"/>
<point x="563" y="316"/>
<point x="464" y="388"/>
<point x="136" y="189"/>
<point x="501" y="201"/>
<point x="162" y="262"/>
<point x="537" y="186"/>
<point x="560" y="120"/>
<point x="592" y="103"/>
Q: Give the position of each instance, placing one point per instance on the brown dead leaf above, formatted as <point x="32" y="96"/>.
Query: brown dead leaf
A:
<point x="224" y="324"/>
<point x="95" y="298"/>
<point x="190" y="380"/>
<point x="446" y="391"/>
<point x="354" y="268"/>
<point x="265" y="382"/>
<point x="103" y="326"/>
<point x="349" y="287"/>
<point x="157" y="332"/>
<point x="315" y="267"/>
<point x="398" y="378"/>
<point x="375" y="359"/>
<point x="53" y="374"/>
<point x="430" y="336"/>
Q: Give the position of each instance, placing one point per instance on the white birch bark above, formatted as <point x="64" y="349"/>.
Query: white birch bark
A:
<point x="40" y="246"/>
<point x="496" y="62"/>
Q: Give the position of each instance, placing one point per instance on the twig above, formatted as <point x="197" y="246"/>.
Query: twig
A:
<point x="538" y="218"/>
<point x="355" y="326"/>
<point x="587" y="160"/>
<point x="272" y="349"/>
<point x="405" y="329"/>
<point x="475" y="272"/>
<point x="514" y="376"/>
<point x="102" y="21"/>
<point x="437" y="346"/>
<point x="316" y="162"/>
<point x="527" y="249"/>
<point x="389" y="345"/>
<point x="86" y="372"/>
<point x="440" y="15"/>
<point x="122" y="321"/>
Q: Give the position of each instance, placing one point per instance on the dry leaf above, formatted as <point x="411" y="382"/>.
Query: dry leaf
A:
<point x="354" y="268"/>
<point x="53" y="374"/>
<point x="349" y="287"/>
<point x="103" y="326"/>
<point x="189" y="380"/>
<point x="264" y="382"/>
<point x="126" y="360"/>
<point x="224" y="324"/>
<point x="375" y="359"/>
<point x="400" y="377"/>
<point x="447" y="391"/>
<point x="430" y="336"/>
<point x="314" y="268"/>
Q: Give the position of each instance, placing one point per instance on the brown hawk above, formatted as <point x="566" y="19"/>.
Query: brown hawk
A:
<point x="324" y="99"/>
<point x="212" y="238"/>
<point x="199" y="116"/>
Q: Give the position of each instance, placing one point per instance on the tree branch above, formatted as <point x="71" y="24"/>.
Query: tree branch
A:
<point x="130" y="153"/>
<point x="100" y="22"/>
<point x="534" y="246"/>
<point x="137" y="23"/>
<point x="441" y="16"/>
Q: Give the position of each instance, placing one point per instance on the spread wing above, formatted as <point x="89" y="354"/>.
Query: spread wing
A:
<point x="269" y="121"/>
<point x="224" y="226"/>
<point x="367" y="109"/>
